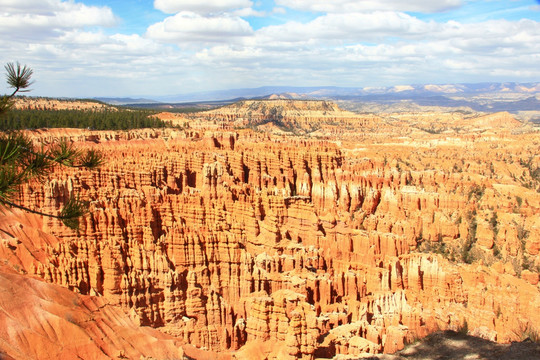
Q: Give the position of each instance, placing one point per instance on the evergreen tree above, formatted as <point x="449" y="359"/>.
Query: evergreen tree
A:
<point x="21" y="160"/>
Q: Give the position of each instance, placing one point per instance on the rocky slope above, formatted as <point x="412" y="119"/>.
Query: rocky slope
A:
<point x="46" y="321"/>
<point x="271" y="246"/>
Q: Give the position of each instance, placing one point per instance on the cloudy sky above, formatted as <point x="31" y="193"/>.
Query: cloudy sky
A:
<point x="86" y="48"/>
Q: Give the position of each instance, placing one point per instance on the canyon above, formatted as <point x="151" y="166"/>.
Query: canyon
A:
<point x="279" y="229"/>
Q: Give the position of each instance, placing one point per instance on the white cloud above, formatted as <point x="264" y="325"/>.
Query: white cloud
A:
<point x="93" y="64"/>
<point x="200" y="7"/>
<point x="79" y="15"/>
<point x="82" y="38"/>
<point x="347" y="6"/>
<point x="373" y="45"/>
<point x="34" y="6"/>
<point x="96" y="50"/>
<point x="247" y="12"/>
<point x="40" y="19"/>
<point x="334" y="49"/>
<point x="188" y="27"/>
<point x="352" y="26"/>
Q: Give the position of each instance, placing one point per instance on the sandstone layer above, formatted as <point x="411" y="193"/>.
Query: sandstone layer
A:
<point x="258" y="245"/>
<point x="46" y="321"/>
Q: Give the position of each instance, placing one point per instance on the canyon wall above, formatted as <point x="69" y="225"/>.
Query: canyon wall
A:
<point x="230" y="239"/>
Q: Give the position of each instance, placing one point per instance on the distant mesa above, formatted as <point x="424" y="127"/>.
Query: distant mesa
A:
<point x="285" y="115"/>
<point x="402" y="88"/>
<point x="322" y="118"/>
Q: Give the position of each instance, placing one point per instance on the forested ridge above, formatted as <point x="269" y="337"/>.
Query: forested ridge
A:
<point x="110" y="119"/>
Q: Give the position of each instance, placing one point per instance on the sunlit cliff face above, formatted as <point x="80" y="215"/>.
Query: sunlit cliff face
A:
<point x="359" y="233"/>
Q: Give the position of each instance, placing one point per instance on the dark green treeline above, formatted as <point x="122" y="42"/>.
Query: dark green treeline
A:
<point x="121" y="119"/>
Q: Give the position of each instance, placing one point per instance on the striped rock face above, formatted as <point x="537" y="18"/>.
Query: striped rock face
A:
<point x="280" y="246"/>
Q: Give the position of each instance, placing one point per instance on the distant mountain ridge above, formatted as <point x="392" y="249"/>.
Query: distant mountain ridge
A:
<point x="125" y="100"/>
<point x="323" y="92"/>
<point x="335" y="91"/>
<point x="484" y="97"/>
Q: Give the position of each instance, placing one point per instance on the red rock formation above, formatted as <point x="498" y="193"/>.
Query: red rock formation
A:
<point x="279" y="116"/>
<point x="45" y="321"/>
<point x="227" y="239"/>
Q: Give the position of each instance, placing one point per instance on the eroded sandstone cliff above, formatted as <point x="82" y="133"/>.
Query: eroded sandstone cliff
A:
<point x="234" y="239"/>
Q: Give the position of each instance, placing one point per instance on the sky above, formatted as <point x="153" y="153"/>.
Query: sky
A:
<point x="145" y="48"/>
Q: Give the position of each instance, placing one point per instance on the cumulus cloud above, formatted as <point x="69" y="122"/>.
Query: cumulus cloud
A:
<point x="33" y="6"/>
<point x="247" y="12"/>
<point x="352" y="26"/>
<point x="200" y="7"/>
<point x="333" y="50"/>
<point x="347" y="6"/>
<point x="64" y="43"/>
<point x="39" y="19"/>
<point x="187" y="27"/>
<point x="85" y="50"/>
<point x="352" y="43"/>
<point x="96" y="64"/>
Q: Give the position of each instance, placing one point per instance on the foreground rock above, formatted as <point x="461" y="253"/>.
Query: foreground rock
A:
<point x="450" y="345"/>
<point x="46" y="321"/>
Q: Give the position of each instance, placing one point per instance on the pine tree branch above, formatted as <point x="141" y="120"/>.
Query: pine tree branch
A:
<point x="18" y="77"/>
<point x="15" y="143"/>
<point x="21" y="161"/>
<point x="89" y="160"/>
<point x="12" y="204"/>
<point x="69" y="215"/>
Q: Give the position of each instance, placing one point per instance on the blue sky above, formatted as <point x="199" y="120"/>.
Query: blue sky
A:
<point x="86" y="48"/>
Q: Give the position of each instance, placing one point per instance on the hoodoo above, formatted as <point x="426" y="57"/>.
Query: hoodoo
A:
<point x="262" y="244"/>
